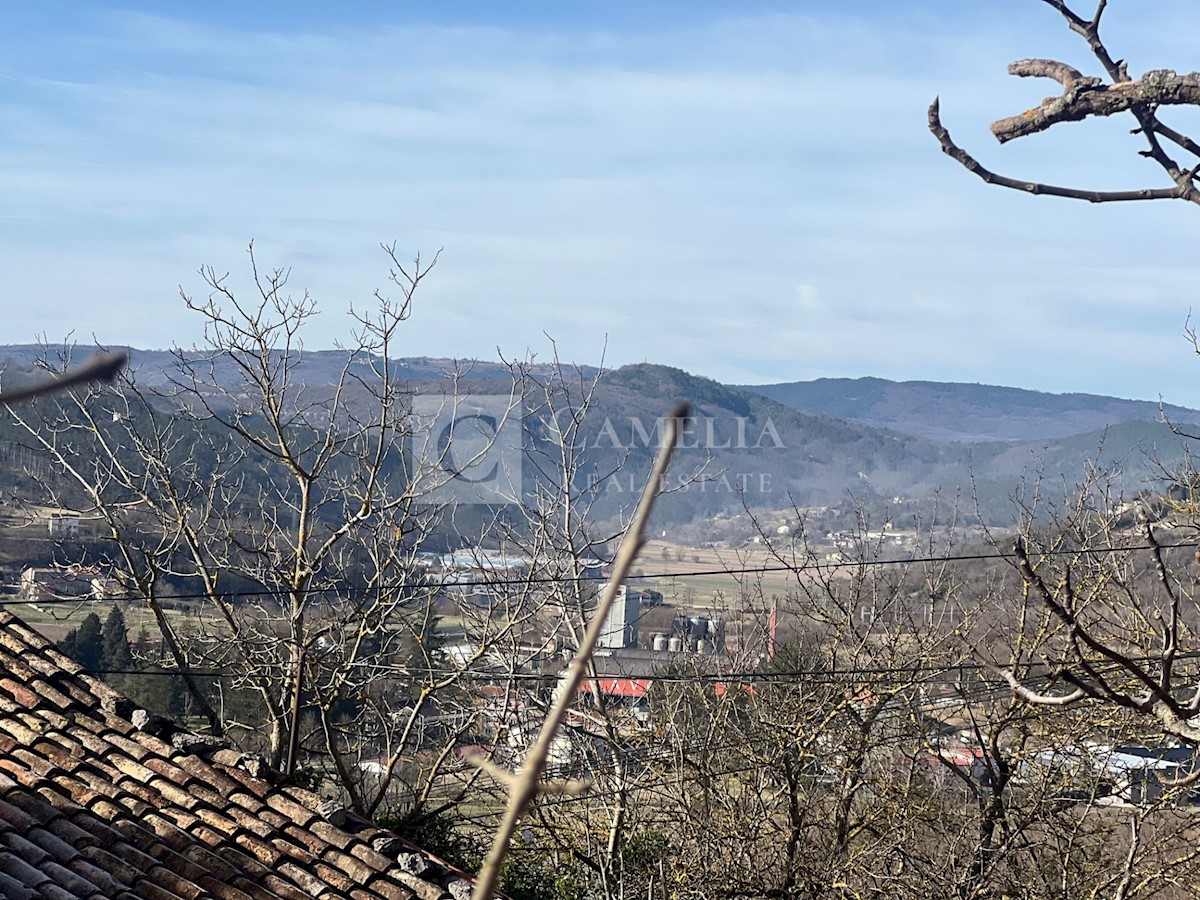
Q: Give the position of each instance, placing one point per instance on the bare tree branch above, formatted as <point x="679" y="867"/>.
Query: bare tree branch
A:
<point x="1031" y="696"/>
<point x="525" y="787"/>
<point x="1086" y="96"/>
<point x="973" y="165"/>
<point x="1083" y="96"/>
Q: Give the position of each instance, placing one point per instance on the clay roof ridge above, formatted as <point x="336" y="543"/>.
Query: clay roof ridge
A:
<point x="100" y="797"/>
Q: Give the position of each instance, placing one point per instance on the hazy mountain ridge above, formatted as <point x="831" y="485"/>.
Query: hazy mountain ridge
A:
<point x="747" y="448"/>
<point x="966" y="412"/>
<point x="310" y="368"/>
<point x="825" y="460"/>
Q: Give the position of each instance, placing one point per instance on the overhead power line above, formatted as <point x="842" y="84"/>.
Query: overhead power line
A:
<point x="530" y="581"/>
<point x="830" y="675"/>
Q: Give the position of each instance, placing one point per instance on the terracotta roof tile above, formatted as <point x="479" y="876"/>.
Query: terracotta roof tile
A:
<point x="83" y="742"/>
<point x="358" y="870"/>
<point x="221" y="889"/>
<point x="370" y="856"/>
<point x="131" y="767"/>
<point x="256" y="786"/>
<point x="69" y="881"/>
<point x="104" y="807"/>
<point x="18" y="729"/>
<point x="151" y="891"/>
<point x="17" y="668"/>
<point x="15" y="867"/>
<point x="208" y="775"/>
<point x="253" y="824"/>
<point x="118" y="868"/>
<point x="174" y="794"/>
<point x="253" y="889"/>
<point x="245" y="863"/>
<point x="51" y="695"/>
<point x="252" y="804"/>
<point x="130" y="748"/>
<point x="219" y="821"/>
<point x="135" y="790"/>
<point x="211" y="862"/>
<point x="21" y="694"/>
<point x="92" y="807"/>
<point x="340" y="880"/>
<point x="303" y="879"/>
<point x="95" y="875"/>
<point x="305" y="838"/>
<point x="144" y="858"/>
<point x="68" y="832"/>
<point x="50" y="891"/>
<point x="390" y="890"/>
<point x="79" y="693"/>
<point x="23" y="848"/>
<point x="54" y="847"/>
<point x="332" y="835"/>
<point x="176" y="882"/>
<point x="98" y="831"/>
<point x="299" y="815"/>
<point x="266" y="853"/>
<point x="168" y="770"/>
<point x="281" y="888"/>
<point x="15" y="816"/>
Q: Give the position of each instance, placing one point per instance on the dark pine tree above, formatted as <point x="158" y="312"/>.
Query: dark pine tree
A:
<point x="85" y="644"/>
<point x="115" y="653"/>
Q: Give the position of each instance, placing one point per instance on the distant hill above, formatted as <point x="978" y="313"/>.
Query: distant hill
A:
<point x="965" y="412"/>
<point x="833" y="442"/>
<point x="823" y="459"/>
<point x="313" y="368"/>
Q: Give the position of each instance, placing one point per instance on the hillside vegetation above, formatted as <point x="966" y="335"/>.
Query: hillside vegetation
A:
<point x="825" y="443"/>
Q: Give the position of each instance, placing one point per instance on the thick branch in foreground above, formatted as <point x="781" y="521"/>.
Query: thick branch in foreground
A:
<point x="1083" y="97"/>
<point x="101" y="368"/>
<point x="524" y="788"/>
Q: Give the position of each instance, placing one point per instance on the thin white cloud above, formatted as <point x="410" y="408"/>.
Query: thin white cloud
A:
<point x="668" y="191"/>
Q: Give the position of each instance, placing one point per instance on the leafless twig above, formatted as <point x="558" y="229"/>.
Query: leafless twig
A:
<point x="524" y="788"/>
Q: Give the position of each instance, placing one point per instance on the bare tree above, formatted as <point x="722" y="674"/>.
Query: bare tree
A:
<point x="289" y="517"/>
<point x="876" y="755"/>
<point x="1124" y="633"/>
<point x="524" y="788"/>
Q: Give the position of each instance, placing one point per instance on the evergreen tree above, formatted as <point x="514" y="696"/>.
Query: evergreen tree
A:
<point x="67" y="644"/>
<point x="115" y="653"/>
<point x="85" y="644"/>
<point x="160" y="693"/>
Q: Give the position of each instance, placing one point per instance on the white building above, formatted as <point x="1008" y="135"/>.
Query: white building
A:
<point x="621" y="623"/>
<point x="64" y="525"/>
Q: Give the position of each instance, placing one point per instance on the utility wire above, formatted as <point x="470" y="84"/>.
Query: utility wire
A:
<point x="831" y="675"/>
<point x="410" y="584"/>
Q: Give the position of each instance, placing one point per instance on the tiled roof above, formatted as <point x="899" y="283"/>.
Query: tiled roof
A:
<point x="94" y="806"/>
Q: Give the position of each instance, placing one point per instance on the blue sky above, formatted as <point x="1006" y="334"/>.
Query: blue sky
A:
<point x="744" y="190"/>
